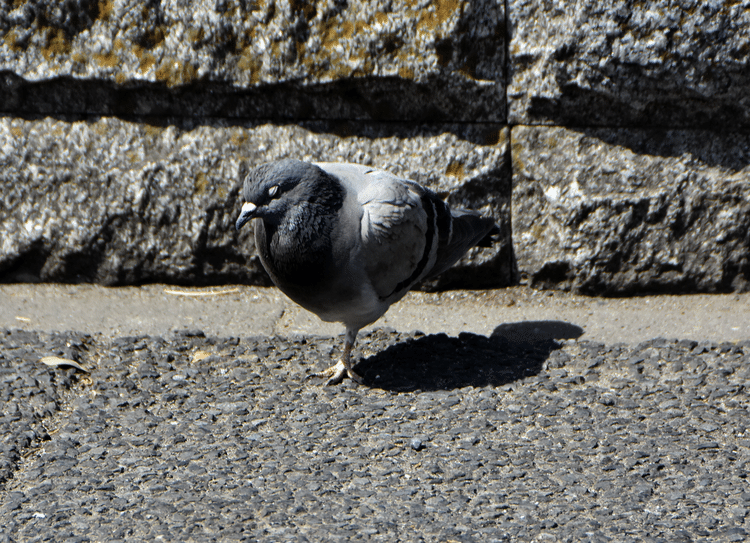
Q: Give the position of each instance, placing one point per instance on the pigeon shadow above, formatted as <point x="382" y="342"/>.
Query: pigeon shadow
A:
<point x="440" y="362"/>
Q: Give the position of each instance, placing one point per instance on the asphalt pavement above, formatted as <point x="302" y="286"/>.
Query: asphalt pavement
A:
<point x="508" y="415"/>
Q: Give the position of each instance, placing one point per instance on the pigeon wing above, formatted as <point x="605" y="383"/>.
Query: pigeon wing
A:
<point x="396" y="232"/>
<point x="407" y="233"/>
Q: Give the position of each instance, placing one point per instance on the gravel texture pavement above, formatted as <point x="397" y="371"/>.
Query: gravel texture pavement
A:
<point x="183" y="437"/>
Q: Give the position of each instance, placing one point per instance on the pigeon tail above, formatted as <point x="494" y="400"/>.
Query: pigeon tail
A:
<point x="467" y="230"/>
<point x="491" y="238"/>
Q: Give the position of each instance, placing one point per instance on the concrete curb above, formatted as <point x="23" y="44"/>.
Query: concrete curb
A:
<point x="242" y="311"/>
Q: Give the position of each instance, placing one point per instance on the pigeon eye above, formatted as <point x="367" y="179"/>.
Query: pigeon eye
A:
<point x="272" y="191"/>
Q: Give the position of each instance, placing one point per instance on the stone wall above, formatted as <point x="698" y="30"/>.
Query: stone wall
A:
<point x="609" y="140"/>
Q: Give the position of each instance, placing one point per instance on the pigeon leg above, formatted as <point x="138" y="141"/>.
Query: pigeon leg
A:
<point x="343" y="367"/>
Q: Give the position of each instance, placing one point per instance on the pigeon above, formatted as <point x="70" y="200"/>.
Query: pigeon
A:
<point x="346" y="241"/>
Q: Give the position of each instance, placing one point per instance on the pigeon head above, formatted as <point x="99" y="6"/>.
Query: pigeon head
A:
<point x="271" y="189"/>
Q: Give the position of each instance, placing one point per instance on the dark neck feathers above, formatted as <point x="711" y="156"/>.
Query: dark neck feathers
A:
<point x="296" y="247"/>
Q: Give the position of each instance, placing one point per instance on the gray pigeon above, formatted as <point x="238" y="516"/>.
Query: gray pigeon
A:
<point x="346" y="241"/>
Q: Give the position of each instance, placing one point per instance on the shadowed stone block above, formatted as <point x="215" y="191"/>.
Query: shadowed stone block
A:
<point x="608" y="211"/>
<point x="630" y="63"/>
<point x="387" y="60"/>
<point x="117" y="202"/>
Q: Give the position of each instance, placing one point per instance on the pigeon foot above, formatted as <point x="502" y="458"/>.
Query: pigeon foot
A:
<point x="337" y="372"/>
<point x="344" y="366"/>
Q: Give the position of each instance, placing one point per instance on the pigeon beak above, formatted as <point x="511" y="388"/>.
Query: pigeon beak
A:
<point x="248" y="212"/>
